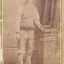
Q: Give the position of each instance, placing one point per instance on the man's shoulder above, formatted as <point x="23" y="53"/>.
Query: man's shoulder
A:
<point x="20" y="7"/>
<point x="35" y="8"/>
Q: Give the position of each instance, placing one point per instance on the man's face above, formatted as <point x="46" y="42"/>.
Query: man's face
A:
<point x="29" y="1"/>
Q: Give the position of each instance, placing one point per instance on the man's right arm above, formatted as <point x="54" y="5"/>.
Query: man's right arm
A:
<point x="18" y="20"/>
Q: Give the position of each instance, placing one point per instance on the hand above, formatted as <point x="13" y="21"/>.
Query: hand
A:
<point x="17" y="36"/>
<point x="42" y="28"/>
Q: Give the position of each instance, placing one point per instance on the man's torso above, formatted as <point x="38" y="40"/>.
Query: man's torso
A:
<point x="27" y="16"/>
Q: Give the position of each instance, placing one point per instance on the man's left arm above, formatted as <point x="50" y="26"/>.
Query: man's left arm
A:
<point x="37" y="21"/>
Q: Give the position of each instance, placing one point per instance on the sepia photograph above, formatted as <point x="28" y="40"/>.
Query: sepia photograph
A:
<point x="31" y="32"/>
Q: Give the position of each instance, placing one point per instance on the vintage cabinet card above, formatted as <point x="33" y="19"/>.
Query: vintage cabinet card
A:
<point x="32" y="31"/>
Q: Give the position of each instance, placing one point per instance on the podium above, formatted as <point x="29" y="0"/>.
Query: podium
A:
<point x="50" y="38"/>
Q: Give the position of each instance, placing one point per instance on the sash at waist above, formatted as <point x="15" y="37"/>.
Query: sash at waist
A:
<point x="26" y="28"/>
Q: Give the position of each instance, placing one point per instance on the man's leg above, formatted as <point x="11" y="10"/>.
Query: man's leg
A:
<point x="22" y="49"/>
<point x="29" y="48"/>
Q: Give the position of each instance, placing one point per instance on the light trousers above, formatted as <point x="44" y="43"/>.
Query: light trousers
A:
<point x="26" y="46"/>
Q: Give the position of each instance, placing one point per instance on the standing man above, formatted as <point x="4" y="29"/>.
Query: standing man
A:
<point x="27" y="19"/>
